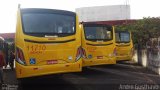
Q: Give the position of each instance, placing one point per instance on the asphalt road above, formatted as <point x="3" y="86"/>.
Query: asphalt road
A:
<point x="106" y="77"/>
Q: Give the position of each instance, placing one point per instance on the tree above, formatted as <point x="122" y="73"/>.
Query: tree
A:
<point x="143" y="29"/>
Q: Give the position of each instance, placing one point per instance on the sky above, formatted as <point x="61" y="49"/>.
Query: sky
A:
<point x="8" y="8"/>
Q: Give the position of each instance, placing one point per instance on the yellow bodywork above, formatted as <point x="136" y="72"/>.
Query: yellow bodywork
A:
<point x="63" y="53"/>
<point x="106" y="51"/>
<point x="124" y="50"/>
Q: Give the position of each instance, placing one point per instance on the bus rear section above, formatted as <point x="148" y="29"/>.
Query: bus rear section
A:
<point x="124" y="45"/>
<point x="98" y="44"/>
<point x="47" y="42"/>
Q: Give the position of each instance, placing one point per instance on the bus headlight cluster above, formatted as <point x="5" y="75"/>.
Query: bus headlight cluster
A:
<point x="20" y="56"/>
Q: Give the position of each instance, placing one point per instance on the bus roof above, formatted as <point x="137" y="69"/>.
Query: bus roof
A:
<point x="42" y="10"/>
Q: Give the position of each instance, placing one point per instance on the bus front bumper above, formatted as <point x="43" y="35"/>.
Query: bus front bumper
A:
<point x="124" y="58"/>
<point x="31" y="71"/>
<point x="93" y="62"/>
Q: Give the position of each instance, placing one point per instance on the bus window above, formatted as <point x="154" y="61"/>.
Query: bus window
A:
<point x="123" y="37"/>
<point x="50" y="24"/>
<point x="98" y="33"/>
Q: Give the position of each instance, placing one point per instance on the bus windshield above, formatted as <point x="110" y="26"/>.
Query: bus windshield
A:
<point x="98" y="33"/>
<point x="48" y="24"/>
<point x="122" y="37"/>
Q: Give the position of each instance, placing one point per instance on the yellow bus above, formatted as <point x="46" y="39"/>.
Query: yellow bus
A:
<point x="98" y="44"/>
<point x="124" y="45"/>
<point x="47" y="41"/>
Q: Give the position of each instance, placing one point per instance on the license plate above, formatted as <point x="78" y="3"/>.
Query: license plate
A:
<point x="99" y="57"/>
<point x="122" y="54"/>
<point x="52" y="62"/>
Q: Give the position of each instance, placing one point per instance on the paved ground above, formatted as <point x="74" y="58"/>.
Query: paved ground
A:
<point x="104" y="77"/>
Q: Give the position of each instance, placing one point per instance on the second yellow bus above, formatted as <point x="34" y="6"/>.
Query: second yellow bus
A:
<point x="98" y="44"/>
<point x="124" y="45"/>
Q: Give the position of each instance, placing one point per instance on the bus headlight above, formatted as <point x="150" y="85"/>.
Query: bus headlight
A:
<point x="20" y="56"/>
<point x="84" y="53"/>
<point x="79" y="54"/>
<point x="115" y="52"/>
<point x="111" y="55"/>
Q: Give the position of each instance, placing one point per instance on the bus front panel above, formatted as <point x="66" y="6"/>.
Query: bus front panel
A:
<point x="98" y="45"/>
<point x="47" y="43"/>
<point x="124" y="45"/>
